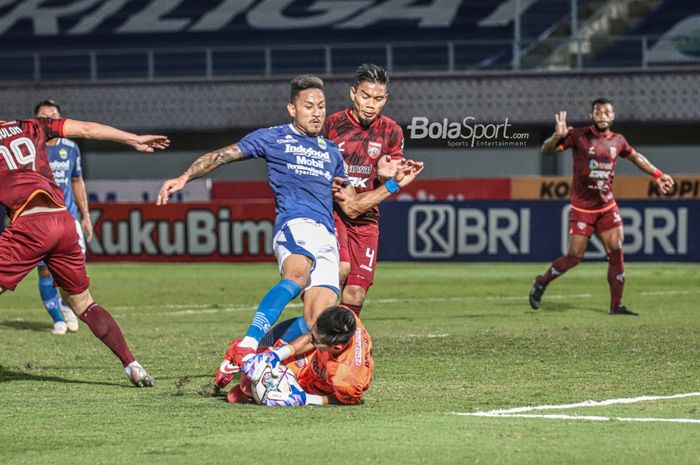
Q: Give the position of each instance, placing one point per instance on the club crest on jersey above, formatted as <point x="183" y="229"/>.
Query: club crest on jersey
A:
<point x="63" y="153"/>
<point x="374" y="149"/>
<point x="581" y="225"/>
<point x="321" y="142"/>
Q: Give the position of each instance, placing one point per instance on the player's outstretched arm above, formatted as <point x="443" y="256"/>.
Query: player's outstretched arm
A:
<point x="89" y="130"/>
<point x="354" y="204"/>
<point x="201" y="166"/>
<point x="664" y="181"/>
<point x="561" y="130"/>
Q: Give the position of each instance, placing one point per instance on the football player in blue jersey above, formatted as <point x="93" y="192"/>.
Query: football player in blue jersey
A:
<point x="306" y="173"/>
<point x="64" y="157"/>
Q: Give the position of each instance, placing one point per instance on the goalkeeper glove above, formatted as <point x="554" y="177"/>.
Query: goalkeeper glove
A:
<point x="253" y="367"/>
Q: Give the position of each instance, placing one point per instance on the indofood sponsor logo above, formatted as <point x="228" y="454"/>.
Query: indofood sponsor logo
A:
<point x="468" y="132"/>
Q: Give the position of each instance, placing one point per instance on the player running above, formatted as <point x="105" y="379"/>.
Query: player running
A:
<point x="333" y="363"/>
<point x="42" y="228"/>
<point x="305" y="172"/>
<point x="64" y="158"/>
<point x="593" y="209"/>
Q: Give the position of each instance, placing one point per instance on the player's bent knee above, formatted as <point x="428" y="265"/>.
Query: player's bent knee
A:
<point x="316" y="300"/>
<point x="78" y="302"/>
<point x="354" y="295"/>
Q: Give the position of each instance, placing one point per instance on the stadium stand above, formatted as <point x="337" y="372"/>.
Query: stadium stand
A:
<point x="656" y="40"/>
<point x="160" y="40"/>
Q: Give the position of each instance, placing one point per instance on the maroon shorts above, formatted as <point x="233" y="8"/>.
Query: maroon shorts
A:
<point x="357" y="245"/>
<point x="586" y="222"/>
<point x="51" y="237"/>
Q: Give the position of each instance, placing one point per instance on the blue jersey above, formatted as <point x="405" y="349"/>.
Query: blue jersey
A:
<point x="64" y="158"/>
<point x="300" y="169"/>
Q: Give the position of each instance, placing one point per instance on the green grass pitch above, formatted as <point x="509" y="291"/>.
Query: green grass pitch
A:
<point x="448" y="338"/>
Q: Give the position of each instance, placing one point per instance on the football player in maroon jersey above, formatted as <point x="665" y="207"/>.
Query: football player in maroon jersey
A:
<point x="372" y="147"/>
<point x="42" y="228"/>
<point x="595" y="149"/>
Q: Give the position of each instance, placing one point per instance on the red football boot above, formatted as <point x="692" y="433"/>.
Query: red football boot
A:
<point x="231" y="366"/>
<point x="225" y="373"/>
<point x="238" y="354"/>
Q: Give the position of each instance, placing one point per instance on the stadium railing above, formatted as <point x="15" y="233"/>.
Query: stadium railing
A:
<point x="149" y="64"/>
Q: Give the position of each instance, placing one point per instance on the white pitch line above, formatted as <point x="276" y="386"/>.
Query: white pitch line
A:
<point x="192" y="309"/>
<point x="584" y="417"/>
<point x="593" y="403"/>
<point x="517" y="411"/>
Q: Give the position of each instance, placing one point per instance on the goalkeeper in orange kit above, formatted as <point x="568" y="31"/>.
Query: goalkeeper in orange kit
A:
<point x="333" y="363"/>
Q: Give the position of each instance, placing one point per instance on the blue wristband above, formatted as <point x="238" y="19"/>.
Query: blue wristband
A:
<point x="392" y="186"/>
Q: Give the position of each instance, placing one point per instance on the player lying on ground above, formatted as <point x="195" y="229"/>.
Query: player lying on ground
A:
<point x="42" y="229"/>
<point x="333" y="363"/>
<point x="595" y="149"/>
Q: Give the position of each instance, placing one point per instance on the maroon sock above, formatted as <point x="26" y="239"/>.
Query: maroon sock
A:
<point x="559" y="266"/>
<point x="356" y="309"/>
<point x="616" y="277"/>
<point x="107" y="330"/>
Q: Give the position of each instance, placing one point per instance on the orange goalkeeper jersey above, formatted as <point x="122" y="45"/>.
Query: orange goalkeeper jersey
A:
<point x="345" y="376"/>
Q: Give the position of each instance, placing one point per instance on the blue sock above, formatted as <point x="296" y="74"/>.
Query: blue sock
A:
<point x="287" y="330"/>
<point x="49" y="295"/>
<point x="296" y="329"/>
<point x="271" y="307"/>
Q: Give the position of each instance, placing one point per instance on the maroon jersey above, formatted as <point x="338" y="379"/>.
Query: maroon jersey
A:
<point x="24" y="164"/>
<point x="361" y="148"/>
<point x="595" y="158"/>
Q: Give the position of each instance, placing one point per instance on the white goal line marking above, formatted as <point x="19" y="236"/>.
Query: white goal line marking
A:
<point x="518" y="411"/>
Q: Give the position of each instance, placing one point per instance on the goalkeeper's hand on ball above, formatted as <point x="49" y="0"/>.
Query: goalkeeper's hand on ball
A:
<point x="253" y="367"/>
<point x="294" y="399"/>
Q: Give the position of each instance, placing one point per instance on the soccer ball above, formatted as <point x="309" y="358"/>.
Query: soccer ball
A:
<point x="274" y="384"/>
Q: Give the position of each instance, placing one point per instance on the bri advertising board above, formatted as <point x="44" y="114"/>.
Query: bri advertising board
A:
<point x="530" y="231"/>
<point x="241" y="231"/>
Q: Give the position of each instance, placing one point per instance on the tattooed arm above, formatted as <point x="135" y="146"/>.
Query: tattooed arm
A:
<point x="201" y="166"/>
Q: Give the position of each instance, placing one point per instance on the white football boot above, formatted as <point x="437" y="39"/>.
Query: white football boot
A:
<point x="70" y="317"/>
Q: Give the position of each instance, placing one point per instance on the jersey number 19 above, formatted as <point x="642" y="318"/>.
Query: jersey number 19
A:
<point x="14" y="155"/>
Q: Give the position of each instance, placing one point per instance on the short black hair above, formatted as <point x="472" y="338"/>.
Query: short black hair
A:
<point x="303" y="82"/>
<point x="601" y="101"/>
<point x="368" y="72"/>
<point x="336" y="325"/>
<point x="47" y="103"/>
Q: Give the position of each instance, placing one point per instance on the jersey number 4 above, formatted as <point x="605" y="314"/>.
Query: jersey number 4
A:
<point x="14" y="155"/>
